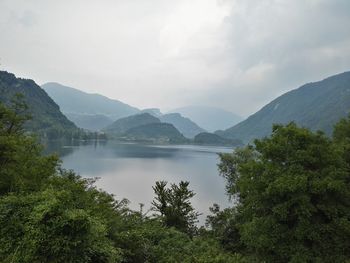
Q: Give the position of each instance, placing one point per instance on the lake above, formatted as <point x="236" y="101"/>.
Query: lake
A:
<point x="130" y="170"/>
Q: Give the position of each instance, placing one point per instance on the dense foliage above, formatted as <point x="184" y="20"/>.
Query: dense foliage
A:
<point x="174" y="205"/>
<point x="48" y="214"/>
<point x="293" y="195"/>
<point x="46" y="115"/>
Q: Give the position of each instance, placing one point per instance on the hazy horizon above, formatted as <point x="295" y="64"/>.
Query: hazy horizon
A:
<point x="235" y="55"/>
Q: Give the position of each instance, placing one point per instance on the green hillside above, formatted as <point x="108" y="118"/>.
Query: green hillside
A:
<point x="317" y="106"/>
<point x="122" y="125"/>
<point x="47" y="119"/>
<point x="186" y="126"/>
<point x="156" y="132"/>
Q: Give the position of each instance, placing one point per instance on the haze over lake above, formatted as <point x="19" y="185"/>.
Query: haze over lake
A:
<point x="130" y="170"/>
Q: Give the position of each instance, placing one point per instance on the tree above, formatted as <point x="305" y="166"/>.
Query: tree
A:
<point x="222" y="226"/>
<point x="341" y="136"/>
<point x="175" y="207"/>
<point x="293" y="196"/>
<point x="57" y="224"/>
<point x="341" y="132"/>
<point x="22" y="167"/>
<point x="48" y="214"/>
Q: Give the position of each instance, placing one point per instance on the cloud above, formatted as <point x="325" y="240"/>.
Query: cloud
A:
<point x="270" y="47"/>
<point x="230" y="53"/>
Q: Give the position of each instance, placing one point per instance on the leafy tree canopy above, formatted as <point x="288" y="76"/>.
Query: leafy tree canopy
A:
<point x="48" y="214"/>
<point x="293" y="195"/>
<point x="175" y="207"/>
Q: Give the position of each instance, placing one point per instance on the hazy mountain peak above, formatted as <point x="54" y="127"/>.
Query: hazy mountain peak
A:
<point x="153" y="111"/>
<point x="185" y="125"/>
<point x="88" y="110"/>
<point x="72" y="100"/>
<point x="209" y="118"/>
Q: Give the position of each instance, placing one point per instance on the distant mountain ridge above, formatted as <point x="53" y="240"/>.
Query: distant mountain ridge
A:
<point x="144" y="127"/>
<point x="148" y="128"/>
<point x="122" y="125"/>
<point x="96" y="112"/>
<point x="92" y="122"/>
<point x="46" y="114"/>
<point x="318" y="106"/>
<point x="86" y="108"/>
<point x="186" y="126"/>
<point x="209" y="118"/>
<point x="153" y="111"/>
<point x="156" y="132"/>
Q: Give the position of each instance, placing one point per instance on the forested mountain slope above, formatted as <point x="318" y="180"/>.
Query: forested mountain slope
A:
<point x="46" y="115"/>
<point x="122" y="125"/>
<point x="317" y="106"/>
<point x="156" y="132"/>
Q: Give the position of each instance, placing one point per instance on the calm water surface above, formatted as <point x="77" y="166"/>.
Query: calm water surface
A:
<point x="130" y="170"/>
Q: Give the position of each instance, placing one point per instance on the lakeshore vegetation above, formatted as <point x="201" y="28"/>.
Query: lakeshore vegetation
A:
<point x="291" y="196"/>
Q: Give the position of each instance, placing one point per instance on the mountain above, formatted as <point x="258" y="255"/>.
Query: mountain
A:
<point x="156" y="132"/>
<point x="153" y="111"/>
<point x="46" y="114"/>
<point x="209" y="118"/>
<point x="206" y="138"/>
<point x="138" y="127"/>
<point x="88" y="109"/>
<point x="187" y="127"/>
<point x="124" y="124"/>
<point x="317" y="106"/>
<point x="92" y="122"/>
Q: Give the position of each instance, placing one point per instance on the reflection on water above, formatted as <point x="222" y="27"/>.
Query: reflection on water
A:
<point x="130" y="170"/>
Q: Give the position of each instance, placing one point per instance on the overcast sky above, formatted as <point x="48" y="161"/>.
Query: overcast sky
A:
<point x="234" y="54"/>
